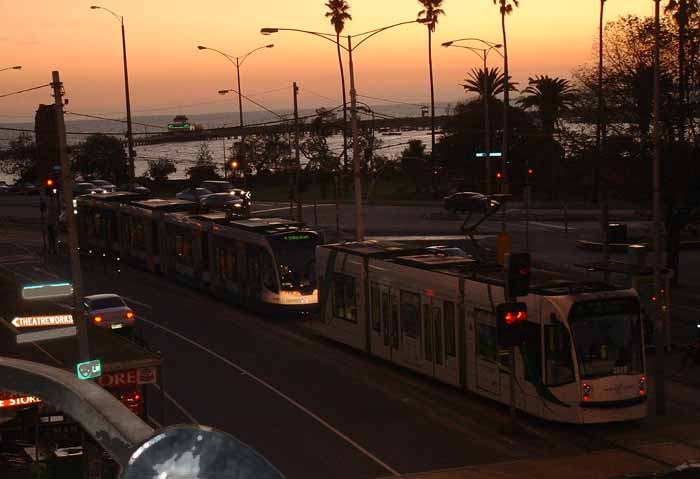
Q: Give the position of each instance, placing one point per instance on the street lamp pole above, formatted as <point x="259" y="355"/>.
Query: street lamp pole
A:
<point x="482" y="53"/>
<point x="129" y="131"/>
<point x="357" y="170"/>
<point x="16" y="67"/>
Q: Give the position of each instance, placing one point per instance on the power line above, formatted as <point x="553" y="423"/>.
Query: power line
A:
<point x="388" y="100"/>
<point x="114" y="119"/>
<point x="25" y="90"/>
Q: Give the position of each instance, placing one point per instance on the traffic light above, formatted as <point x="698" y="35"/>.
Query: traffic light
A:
<point x="517" y="275"/>
<point x="51" y="186"/>
<point x="499" y="175"/>
<point x="511" y="324"/>
<point x="530" y="172"/>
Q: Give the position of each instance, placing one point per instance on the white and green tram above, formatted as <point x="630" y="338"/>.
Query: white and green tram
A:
<point x="583" y="360"/>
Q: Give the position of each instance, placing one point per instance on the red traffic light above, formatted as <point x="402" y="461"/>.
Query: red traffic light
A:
<point x="50" y="182"/>
<point x="530" y="171"/>
<point x="515" y="316"/>
<point x="499" y="175"/>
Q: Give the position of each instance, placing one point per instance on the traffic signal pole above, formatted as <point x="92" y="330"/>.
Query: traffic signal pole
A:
<point x="67" y="181"/>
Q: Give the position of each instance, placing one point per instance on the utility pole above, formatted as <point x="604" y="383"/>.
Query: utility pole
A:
<point x="297" y="162"/>
<point x="129" y="131"/>
<point x="659" y="318"/>
<point x="67" y="181"/>
<point x="487" y="128"/>
<point x="601" y="187"/>
<point x="357" y="170"/>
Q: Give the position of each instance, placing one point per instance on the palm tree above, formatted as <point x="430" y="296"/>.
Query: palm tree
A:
<point x="550" y="96"/>
<point x="505" y="8"/>
<point x="495" y="81"/>
<point x="338" y="14"/>
<point x="682" y="11"/>
<point x="430" y="13"/>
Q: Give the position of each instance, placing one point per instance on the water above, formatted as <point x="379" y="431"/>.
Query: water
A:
<point x="184" y="154"/>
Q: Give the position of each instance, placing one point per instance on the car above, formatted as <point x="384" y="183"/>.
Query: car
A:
<point x="448" y="251"/>
<point x="105" y="185"/>
<point x="24" y="188"/>
<point x="217" y="186"/>
<point x="135" y="188"/>
<point x="85" y="188"/>
<point x="468" y="201"/>
<point x="5" y="190"/>
<point x="226" y="201"/>
<point x="193" y="194"/>
<point x="109" y="311"/>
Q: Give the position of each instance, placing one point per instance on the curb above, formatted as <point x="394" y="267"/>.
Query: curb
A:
<point x="597" y="246"/>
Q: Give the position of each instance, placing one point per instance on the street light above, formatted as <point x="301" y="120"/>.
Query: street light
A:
<point x="237" y="62"/>
<point x="17" y="67"/>
<point x="129" y="135"/>
<point x="331" y="37"/>
<point x="482" y="53"/>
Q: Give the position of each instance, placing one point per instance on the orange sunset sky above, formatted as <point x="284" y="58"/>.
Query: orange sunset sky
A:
<point x="166" y="70"/>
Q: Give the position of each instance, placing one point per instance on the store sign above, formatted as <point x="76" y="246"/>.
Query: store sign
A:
<point x="8" y="400"/>
<point x="89" y="369"/>
<point x="130" y="377"/>
<point x="296" y="237"/>
<point x="43" y="321"/>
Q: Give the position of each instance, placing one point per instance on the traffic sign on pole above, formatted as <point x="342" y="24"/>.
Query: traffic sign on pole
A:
<point x="89" y="369"/>
<point x="47" y="290"/>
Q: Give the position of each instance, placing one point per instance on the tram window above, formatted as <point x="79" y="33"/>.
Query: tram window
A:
<point x="559" y="368"/>
<point x="225" y="259"/>
<point x="386" y="315"/>
<point x="410" y="311"/>
<point x="376" y="311"/>
<point x="487" y="346"/>
<point x="344" y="304"/>
<point x="427" y="333"/>
<point x="268" y="272"/>
<point x="438" y="335"/>
<point x="395" y="325"/>
<point x="450" y="347"/>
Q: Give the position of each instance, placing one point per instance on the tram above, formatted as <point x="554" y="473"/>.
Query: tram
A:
<point x="263" y="263"/>
<point x="583" y="361"/>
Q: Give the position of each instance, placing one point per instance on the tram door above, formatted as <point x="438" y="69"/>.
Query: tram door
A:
<point x="485" y="348"/>
<point x="251" y="287"/>
<point x="381" y="324"/>
<point x="411" y="327"/>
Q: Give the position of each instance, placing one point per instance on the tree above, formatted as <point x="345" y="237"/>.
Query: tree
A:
<point x="315" y="147"/>
<point x="414" y="162"/>
<point x="204" y="167"/>
<point x="551" y="97"/>
<point x="495" y="81"/>
<point x="159" y="169"/>
<point x="430" y="13"/>
<point x="505" y="8"/>
<point x="339" y="13"/>
<point x="101" y="156"/>
<point x="682" y="11"/>
<point x="19" y="159"/>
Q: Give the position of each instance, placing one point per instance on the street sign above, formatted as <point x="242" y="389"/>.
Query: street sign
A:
<point x="47" y="290"/>
<point x="493" y="154"/>
<point x="89" y="369"/>
<point x="43" y="321"/>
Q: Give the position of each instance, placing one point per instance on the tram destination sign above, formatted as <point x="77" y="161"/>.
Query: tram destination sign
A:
<point x="47" y="290"/>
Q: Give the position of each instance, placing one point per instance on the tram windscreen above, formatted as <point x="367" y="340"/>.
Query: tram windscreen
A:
<point x="295" y="254"/>
<point x="608" y="337"/>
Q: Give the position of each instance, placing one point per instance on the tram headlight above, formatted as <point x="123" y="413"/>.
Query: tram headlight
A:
<point x="642" y="385"/>
<point x="586" y="389"/>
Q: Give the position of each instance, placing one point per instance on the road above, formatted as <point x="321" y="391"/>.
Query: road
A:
<point x="317" y="409"/>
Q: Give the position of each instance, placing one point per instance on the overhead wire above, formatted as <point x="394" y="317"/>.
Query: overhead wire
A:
<point x="24" y="91"/>
<point x="115" y="120"/>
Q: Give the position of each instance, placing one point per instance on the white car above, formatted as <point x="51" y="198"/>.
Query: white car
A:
<point x="109" y="311"/>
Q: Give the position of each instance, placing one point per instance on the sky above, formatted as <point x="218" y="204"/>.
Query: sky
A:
<point x="167" y="74"/>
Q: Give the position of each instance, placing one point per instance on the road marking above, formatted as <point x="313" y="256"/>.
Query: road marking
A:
<point x="287" y="208"/>
<point x="143" y="305"/>
<point x="279" y="393"/>
<point x="178" y="405"/>
<point x="556" y="227"/>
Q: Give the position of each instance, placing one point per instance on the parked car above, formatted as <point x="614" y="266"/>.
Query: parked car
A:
<point x="5" y="190"/>
<point x="105" y="185"/>
<point x="24" y="188"/>
<point x="448" y="251"/>
<point x="135" y="188"/>
<point x="109" y="311"/>
<point x="85" y="188"/>
<point x="193" y="194"/>
<point x="468" y="201"/>
<point x="217" y="186"/>
<point x="226" y="201"/>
